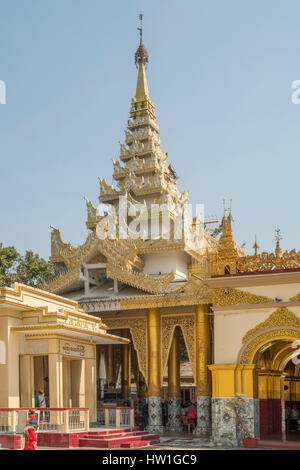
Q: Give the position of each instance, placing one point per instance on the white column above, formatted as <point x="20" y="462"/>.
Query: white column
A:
<point x="91" y="388"/>
<point x="26" y="381"/>
<point x="55" y="380"/>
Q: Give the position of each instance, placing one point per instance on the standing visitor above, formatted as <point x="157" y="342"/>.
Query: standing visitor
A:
<point x="183" y="410"/>
<point x="31" y="439"/>
<point x="42" y="400"/>
<point x="36" y="400"/>
<point x="42" y="403"/>
<point x="30" y="436"/>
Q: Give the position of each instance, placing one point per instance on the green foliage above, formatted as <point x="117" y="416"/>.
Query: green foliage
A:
<point x="29" y="269"/>
<point x="184" y="357"/>
<point x="9" y="259"/>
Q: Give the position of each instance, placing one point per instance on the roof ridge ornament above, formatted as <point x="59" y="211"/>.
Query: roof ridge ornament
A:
<point x="278" y="237"/>
<point x="141" y="54"/>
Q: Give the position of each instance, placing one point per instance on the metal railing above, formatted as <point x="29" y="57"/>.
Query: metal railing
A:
<point x="14" y="420"/>
<point x="116" y="416"/>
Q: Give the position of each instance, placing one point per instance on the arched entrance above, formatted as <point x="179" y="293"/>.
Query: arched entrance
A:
<point x="276" y="355"/>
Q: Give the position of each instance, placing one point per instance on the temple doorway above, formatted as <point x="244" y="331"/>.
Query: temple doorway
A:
<point x="41" y="379"/>
<point x="279" y="390"/>
<point x="73" y="383"/>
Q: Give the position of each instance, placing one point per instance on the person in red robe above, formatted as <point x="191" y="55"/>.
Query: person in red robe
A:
<point x="31" y="439"/>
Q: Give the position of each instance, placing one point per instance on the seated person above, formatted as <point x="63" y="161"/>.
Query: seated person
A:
<point x="191" y="413"/>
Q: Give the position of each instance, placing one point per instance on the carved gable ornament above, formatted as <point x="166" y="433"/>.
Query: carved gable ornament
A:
<point x="234" y="297"/>
<point x="282" y="317"/>
<point x="296" y="297"/>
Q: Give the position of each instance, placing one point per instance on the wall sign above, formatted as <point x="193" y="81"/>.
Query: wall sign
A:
<point x="73" y="349"/>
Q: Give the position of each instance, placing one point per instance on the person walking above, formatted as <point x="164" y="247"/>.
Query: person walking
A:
<point x="30" y="435"/>
<point x="31" y="439"/>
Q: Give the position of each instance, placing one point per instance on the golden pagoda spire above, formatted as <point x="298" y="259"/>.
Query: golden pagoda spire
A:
<point x="142" y="171"/>
<point x="141" y="104"/>
<point x="227" y="250"/>
<point x="278" y="237"/>
<point x="141" y="59"/>
<point x="142" y="92"/>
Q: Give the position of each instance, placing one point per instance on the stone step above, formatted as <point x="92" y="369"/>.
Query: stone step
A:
<point x="111" y="443"/>
<point x="133" y="445"/>
<point x="114" y="431"/>
<point x="114" y="436"/>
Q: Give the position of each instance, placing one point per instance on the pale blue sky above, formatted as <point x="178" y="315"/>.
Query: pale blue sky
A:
<point x="220" y="75"/>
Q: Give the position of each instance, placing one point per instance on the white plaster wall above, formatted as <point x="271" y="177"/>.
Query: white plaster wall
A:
<point x="230" y="328"/>
<point x="166" y="262"/>
<point x="281" y="291"/>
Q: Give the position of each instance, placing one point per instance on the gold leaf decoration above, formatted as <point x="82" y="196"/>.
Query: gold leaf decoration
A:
<point x="235" y="297"/>
<point x="248" y="353"/>
<point x="296" y="297"/>
<point x="138" y="329"/>
<point x="281" y="317"/>
<point x="187" y="325"/>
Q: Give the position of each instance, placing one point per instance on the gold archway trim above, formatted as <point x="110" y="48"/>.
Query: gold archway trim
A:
<point x="188" y="327"/>
<point x="281" y="356"/>
<point x="248" y="352"/>
<point x="138" y="329"/>
<point x="281" y="317"/>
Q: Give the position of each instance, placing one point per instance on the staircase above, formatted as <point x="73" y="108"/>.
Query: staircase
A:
<point x="118" y="439"/>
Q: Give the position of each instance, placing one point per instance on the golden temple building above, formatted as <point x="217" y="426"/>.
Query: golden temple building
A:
<point x="237" y="315"/>
<point x="47" y="344"/>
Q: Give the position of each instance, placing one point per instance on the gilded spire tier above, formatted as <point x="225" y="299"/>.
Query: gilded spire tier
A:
<point x="142" y="169"/>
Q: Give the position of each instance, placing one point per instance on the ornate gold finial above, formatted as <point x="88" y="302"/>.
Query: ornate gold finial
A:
<point x="255" y="246"/>
<point x="227" y="250"/>
<point x="141" y="54"/>
<point x="278" y="237"/>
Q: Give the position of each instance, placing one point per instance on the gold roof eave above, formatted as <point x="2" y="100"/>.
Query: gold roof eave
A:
<point x="65" y="329"/>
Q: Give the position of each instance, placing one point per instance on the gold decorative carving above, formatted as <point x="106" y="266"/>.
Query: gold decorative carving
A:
<point x="269" y="261"/>
<point x="193" y="287"/>
<point x="63" y="280"/>
<point x="138" y="329"/>
<point x="192" y="293"/>
<point x="57" y="244"/>
<point x="296" y="297"/>
<point x="230" y="259"/>
<point x="92" y="216"/>
<point x="247" y="354"/>
<point x="234" y="297"/>
<point x="141" y="281"/>
<point x="281" y="317"/>
<point x="187" y="325"/>
<point x="168" y="300"/>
